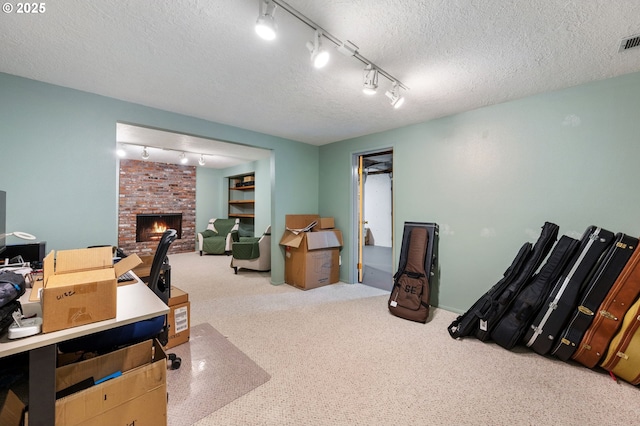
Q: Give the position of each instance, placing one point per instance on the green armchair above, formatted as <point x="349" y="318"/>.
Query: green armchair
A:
<point x="216" y="239"/>
<point x="252" y="253"/>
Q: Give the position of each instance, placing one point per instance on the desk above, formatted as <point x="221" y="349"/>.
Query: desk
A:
<point x="136" y="302"/>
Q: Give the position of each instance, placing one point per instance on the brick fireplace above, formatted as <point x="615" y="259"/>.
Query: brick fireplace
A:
<point x="149" y="189"/>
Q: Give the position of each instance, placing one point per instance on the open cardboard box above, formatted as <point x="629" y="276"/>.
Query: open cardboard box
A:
<point x="312" y="259"/>
<point x="137" y="396"/>
<point x="80" y="287"/>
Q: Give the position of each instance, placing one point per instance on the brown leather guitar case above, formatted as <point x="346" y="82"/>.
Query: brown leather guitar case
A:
<point x="608" y="317"/>
<point x="623" y="356"/>
<point x="410" y="294"/>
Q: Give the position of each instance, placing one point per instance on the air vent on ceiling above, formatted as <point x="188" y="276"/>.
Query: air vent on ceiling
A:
<point x="629" y="43"/>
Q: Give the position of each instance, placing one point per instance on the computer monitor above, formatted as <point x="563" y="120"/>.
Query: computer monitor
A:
<point x="3" y="221"/>
<point x="30" y="252"/>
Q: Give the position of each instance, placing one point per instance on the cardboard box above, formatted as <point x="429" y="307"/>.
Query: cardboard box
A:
<point x="179" y="318"/>
<point x="312" y="259"/>
<point x="300" y="221"/>
<point x="325" y="223"/>
<point x="12" y="410"/>
<point x="138" y="396"/>
<point x="80" y="287"/>
<point x="143" y="271"/>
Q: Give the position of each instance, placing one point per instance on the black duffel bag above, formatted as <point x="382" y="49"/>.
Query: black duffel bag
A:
<point x="12" y="286"/>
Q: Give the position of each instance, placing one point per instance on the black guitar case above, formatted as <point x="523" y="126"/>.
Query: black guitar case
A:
<point x="410" y="295"/>
<point x="509" y="330"/>
<point x="467" y="323"/>
<point x="564" y="297"/>
<point x="480" y="319"/>
<point x="594" y="293"/>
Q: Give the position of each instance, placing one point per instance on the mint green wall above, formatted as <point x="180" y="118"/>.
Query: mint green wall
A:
<point x="491" y="177"/>
<point x="209" y="189"/>
<point x="60" y="172"/>
<point x="263" y="197"/>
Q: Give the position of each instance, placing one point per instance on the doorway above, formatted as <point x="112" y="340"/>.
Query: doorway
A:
<point x="374" y="201"/>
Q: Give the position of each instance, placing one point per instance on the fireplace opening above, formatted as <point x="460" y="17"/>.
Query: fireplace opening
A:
<point x="150" y="227"/>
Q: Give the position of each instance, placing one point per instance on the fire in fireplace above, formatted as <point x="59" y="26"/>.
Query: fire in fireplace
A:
<point x="150" y="227"/>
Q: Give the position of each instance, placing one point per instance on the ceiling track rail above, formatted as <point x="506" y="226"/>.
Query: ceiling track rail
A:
<point x="335" y="40"/>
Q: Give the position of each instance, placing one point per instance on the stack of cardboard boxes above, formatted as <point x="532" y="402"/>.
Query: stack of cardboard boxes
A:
<point x="312" y="251"/>
<point x="137" y="396"/>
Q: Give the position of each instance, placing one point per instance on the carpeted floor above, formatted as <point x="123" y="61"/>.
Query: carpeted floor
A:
<point x="337" y="357"/>
<point x="213" y="373"/>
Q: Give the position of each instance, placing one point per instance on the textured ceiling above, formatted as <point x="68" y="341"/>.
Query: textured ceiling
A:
<point x="203" y="59"/>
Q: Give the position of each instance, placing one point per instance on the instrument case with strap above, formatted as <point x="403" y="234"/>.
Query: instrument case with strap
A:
<point x="623" y="355"/>
<point x="541" y="249"/>
<point x="513" y="325"/>
<point x="608" y="317"/>
<point x="594" y="293"/>
<point x="482" y="316"/>
<point x="564" y="297"/>
<point x="418" y="266"/>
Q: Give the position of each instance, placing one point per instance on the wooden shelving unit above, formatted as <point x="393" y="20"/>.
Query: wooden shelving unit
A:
<point x="241" y="198"/>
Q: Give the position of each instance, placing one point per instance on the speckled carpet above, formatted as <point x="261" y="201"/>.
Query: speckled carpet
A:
<point x="338" y="358"/>
<point x="212" y="374"/>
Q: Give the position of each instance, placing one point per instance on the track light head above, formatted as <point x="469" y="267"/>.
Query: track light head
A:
<point x="394" y="95"/>
<point x="145" y="153"/>
<point x="370" y="84"/>
<point x="183" y="158"/>
<point x="266" y="25"/>
<point x="201" y="160"/>
<point x="319" y="56"/>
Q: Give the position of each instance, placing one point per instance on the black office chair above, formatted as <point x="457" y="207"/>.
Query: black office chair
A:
<point x="160" y="275"/>
<point x="160" y="284"/>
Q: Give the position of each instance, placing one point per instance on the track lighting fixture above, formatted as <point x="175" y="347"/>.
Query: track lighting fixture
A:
<point x="370" y="84"/>
<point x="158" y="156"/>
<point x="319" y="56"/>
<point x="394" y="95"/>
<point x="266" y="26"/>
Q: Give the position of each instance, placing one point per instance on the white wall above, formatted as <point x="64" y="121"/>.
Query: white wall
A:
<point x="377" y="208"/>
